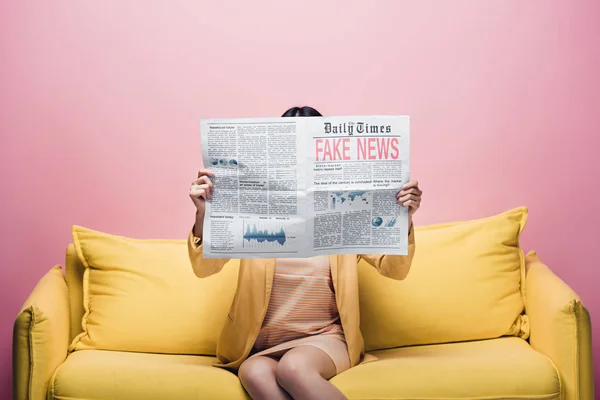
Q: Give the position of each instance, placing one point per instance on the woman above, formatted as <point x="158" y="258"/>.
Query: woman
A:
<point x="294" y="323"/>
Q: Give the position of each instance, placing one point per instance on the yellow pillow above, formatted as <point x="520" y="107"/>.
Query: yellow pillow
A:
<point x="466" y="283"/>
<point x="142" y="295"/>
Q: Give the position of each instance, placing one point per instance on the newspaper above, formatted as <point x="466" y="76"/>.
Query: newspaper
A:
<point x="301" y="187"/>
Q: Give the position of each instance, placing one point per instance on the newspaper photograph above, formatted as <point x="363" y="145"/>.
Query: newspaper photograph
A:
<point x="301" y="187"/>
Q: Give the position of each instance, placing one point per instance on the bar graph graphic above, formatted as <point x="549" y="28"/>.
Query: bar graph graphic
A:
<point x="264" y="234"/>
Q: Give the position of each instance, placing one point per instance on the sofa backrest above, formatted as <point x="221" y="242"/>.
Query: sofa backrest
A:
<point x="466" y="283"/>
<point x="142" y="295"/>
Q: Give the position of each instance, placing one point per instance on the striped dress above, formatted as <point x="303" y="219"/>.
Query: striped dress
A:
<point x="302" y="311"/>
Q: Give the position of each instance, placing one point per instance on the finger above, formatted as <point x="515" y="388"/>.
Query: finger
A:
<point x="411" y="184"/>
<point x="412" y="204"/>
<point x="196" y="194"/>
<point x="198" y="190"/>
<point x="203" y="180"/>
<point x="408" y="197"/>
<point x="404" y="192"/>
<point x="205" y="171"/>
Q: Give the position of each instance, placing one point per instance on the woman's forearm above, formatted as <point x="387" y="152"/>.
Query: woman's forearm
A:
<point x="199" y="225"/>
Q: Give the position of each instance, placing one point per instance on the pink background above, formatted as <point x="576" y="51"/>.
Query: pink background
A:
<point x="101" y="101"/>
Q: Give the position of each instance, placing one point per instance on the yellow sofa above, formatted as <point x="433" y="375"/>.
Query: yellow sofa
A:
<point x="450" y="350"/>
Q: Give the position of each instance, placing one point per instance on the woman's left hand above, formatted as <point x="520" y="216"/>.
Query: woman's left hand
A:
<point x="410" y="196"/>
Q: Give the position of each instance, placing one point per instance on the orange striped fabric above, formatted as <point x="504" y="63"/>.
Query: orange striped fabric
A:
<point x="302" y="303"/>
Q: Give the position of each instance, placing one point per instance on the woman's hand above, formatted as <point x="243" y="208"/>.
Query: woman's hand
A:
<point x="200" y="191"/>
<point x="410" y="196"/>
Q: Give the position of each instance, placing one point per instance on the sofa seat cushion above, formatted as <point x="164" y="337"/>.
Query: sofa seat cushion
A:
<point x="100" y="374"/>
<point x="506" y="368"/>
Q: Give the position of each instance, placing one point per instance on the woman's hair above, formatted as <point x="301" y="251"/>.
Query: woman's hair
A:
<point x="302" y="112"/>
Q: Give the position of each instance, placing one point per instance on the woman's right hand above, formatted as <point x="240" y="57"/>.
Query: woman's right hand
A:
<point x="200" y="191"/>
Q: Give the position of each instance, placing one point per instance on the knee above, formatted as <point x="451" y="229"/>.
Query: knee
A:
<point x="256" y="374"/>
<point x="293" y="371"/>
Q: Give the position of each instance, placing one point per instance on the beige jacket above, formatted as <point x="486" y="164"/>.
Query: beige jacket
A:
<point x="255" y="281"/>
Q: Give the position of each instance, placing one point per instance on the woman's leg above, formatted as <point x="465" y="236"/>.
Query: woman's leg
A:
<point x="304" y="372"/>
<point x="257" y="375"/>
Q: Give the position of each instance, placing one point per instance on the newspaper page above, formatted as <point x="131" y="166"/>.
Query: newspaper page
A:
<point x="300" y="187"/>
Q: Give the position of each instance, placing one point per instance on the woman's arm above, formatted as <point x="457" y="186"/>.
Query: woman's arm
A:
<point x="203" y="267"/>
<point x="393" y="266"/>
<point x="200" y="191"/>
<point x="397" y="267"/>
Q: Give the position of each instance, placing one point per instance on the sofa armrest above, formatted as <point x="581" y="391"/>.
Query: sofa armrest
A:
<point x="40" y="336"/>
<point x="560" y="328"/>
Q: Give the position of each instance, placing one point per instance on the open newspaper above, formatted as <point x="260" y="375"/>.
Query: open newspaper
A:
<point x="300" y="187"/>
